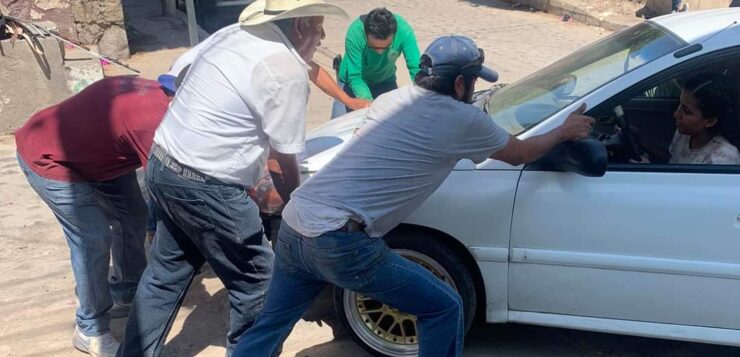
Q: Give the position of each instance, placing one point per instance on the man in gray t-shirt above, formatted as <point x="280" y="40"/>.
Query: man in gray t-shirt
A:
<point x="409" y="144"/>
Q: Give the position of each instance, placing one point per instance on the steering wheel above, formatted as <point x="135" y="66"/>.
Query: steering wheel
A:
<point x="633" y="150"/>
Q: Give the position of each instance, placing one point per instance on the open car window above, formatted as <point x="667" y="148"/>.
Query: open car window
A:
<point x="652" y="116"/>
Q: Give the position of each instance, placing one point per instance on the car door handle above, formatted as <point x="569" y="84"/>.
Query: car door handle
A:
<point x="737" y="222"/>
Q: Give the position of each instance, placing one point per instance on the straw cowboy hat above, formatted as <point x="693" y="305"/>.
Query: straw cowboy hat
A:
<point x="262" y="11"/>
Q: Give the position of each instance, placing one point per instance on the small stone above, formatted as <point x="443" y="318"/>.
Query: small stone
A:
<point x="52" y="4"/>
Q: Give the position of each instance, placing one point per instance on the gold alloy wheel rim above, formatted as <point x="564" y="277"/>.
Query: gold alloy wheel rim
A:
<point x="382" y="327"/>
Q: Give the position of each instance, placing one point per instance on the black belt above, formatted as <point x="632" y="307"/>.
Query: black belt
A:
<point x="172" y="164"/>
<point x="352" y="226"/>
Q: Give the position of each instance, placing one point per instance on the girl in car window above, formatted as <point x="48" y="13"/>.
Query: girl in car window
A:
<point x="707" y="129"/>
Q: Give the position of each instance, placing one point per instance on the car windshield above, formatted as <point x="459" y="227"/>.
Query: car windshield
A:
<point x="528" y="102"/>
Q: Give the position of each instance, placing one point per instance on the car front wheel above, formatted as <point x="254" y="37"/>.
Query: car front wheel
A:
<point x="385" y="331"/>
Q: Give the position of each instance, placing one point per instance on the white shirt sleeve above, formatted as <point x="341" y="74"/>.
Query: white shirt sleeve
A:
<point x="281" y="101"/>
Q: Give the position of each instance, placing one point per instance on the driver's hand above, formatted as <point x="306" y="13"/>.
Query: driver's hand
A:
<point x="644" y="159"/>
<point x="577" y="126"/>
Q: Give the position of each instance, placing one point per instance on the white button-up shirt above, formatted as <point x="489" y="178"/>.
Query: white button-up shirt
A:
<point x="247" y="90"/>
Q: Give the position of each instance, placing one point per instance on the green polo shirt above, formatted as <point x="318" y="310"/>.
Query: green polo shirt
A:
<point x="361" y="65"/>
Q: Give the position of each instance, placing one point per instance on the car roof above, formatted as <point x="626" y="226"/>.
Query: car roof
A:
<point x="694" y="26"/>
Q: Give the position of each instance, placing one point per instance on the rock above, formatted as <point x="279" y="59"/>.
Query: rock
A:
<point x="114" y="43"/>
<point x="52" y="4"/>
<point x="82" y="11"/>
<point x="47" y="25"/>
<point x="89" y="33"/>
<point x="111" y="11"/>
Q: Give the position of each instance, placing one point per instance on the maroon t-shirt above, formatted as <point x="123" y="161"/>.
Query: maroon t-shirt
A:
<point x="101" y="133"/>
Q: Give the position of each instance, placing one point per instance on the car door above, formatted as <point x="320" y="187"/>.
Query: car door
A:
<point x="632" y="245"/>
<point x="650" y="243"/>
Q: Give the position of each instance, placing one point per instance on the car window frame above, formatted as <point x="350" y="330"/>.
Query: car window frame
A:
<point x="695" y="63"/>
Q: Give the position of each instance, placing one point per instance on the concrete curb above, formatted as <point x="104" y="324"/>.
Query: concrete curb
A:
<point x="560" y="8"/>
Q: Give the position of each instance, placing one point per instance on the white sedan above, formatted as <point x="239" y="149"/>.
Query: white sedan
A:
<point x="585" y="238"/>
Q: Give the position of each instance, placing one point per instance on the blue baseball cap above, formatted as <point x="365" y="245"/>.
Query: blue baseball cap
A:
<point x="167" y="81"/>
<point x="450" y="56"/>
<point x="170" y="82"/>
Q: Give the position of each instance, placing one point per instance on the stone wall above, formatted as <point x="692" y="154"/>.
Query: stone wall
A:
<point x="91" y="22"/>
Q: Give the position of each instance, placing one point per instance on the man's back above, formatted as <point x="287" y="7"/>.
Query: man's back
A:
<point x="99" y="134"/>
<point x="411" y="140"/>
<point x="223" y="117"/>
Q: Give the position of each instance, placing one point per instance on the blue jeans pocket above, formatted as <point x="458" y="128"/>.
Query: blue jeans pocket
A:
<point x="351" y="266"/>
<point x="286" y="255"/>
<point x="190" y="212"/>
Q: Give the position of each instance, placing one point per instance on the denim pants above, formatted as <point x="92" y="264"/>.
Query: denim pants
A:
<point x="198" y="221"/>
<point x="338" y="108"/>
<point x="151" y="220"/>
<point x="354" y="261"/>
<point x="99" y="219"/>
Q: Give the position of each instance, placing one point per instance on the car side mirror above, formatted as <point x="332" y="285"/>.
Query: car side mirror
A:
<point x="587" y="157"/>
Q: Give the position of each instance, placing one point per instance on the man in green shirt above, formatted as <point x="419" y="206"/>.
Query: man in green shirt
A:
<point x="373" y="44"/>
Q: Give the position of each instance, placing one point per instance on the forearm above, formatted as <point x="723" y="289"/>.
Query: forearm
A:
<point x="284" y="172"/>
<point x="412" y="55"/>
<point x="355" y="45"/>
<point x="538" y="146"/>
<point x="326" y="83"/>
<point x="517" y="152"/>
<point x="576" y="127"/>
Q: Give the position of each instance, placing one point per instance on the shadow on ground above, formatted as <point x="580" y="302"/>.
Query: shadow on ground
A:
<point x="529" y="341"/>
<point x="524" y="340"/>
<point x="208" y="321"/>
<point x="149" y="30"/>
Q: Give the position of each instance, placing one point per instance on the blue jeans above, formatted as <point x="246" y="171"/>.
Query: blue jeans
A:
<point x="98" y="219"/>
<point x="151" y="220"/>
<point x="353" y="261"/>
<point x="198" y="221"/>
<point x="338" y="108"/>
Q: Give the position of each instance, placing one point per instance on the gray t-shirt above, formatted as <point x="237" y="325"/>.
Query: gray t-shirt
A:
<point x="410" y="142"/>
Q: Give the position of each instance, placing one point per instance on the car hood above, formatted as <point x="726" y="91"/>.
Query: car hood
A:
<point x="324" y="142"/>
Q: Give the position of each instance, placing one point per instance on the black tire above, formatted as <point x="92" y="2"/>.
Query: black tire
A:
<point x="416" y="246"/>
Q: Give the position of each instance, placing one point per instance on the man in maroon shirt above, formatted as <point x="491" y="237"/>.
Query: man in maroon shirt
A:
<point x="80" y="156"/>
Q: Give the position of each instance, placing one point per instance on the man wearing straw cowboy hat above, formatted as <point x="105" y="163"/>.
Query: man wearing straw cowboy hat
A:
<point x="244" y="96"/>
